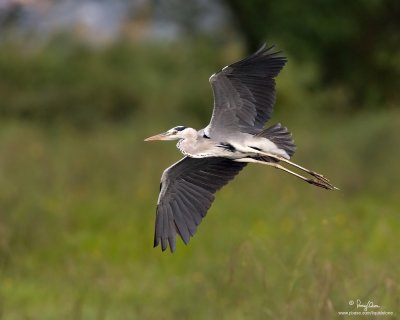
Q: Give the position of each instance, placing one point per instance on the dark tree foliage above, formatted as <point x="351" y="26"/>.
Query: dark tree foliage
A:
<point x="356" y="44"/>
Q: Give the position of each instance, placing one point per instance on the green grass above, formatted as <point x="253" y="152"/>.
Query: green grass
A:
<point x="77" y="215"/>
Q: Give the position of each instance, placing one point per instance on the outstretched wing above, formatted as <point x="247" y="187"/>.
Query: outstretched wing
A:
<point x="186" y="193"/>
<point x="244" y="93"/>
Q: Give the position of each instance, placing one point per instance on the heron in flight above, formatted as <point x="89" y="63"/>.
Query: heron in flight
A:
<point x="244" y="96"/>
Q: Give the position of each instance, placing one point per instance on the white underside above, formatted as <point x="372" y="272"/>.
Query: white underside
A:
<point x="264" y="144"/>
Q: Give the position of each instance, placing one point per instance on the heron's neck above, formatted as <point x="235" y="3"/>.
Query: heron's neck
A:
<point x="191" y="134"/>
<point x="188" y="143"/>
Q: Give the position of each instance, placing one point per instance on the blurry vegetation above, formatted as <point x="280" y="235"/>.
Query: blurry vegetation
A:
<point x="62" y="80"/>
<point x="70" y="81"/>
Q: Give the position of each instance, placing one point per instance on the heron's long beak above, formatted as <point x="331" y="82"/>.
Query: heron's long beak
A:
<point x="161" y="136"/>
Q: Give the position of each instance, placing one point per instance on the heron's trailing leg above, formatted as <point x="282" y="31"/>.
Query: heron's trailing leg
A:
<point x="279" y="158"/>
<point x="318" y="183"/>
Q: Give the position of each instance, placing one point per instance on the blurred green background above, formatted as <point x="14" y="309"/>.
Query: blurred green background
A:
<point x="82" y="83"/>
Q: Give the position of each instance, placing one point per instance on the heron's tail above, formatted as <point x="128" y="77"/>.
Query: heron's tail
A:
<point x="280" y="136"/>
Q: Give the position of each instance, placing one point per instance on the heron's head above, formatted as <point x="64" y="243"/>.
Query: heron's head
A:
<point x="179" y="132"/>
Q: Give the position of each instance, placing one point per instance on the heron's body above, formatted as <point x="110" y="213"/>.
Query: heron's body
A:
<point x="197" y="144"/>
<point x="244" y="95"/>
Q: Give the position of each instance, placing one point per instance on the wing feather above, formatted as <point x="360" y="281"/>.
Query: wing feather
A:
<point x="180" y="222"/>
<point x="244" y="93"/>
<point x="187" y="192"/>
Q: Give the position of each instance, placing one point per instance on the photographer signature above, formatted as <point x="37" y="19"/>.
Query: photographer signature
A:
<point x="370" y="304"/>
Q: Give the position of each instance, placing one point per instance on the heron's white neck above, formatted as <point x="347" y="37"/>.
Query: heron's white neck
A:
<point x="187" y="141"/>
<point x="187" y="133"/>
<point x="193" y="144"/>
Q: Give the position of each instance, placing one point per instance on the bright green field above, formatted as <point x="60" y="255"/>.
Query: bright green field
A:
<point x="77" y="215"/>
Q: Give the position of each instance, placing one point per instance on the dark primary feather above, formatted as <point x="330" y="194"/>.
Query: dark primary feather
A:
<point x="244" y="92"/>
<point x="187" y="192"/>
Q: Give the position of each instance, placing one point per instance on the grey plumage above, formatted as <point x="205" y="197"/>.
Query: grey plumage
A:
<point x="187" y="191"/>
<point x="244" y="93"/>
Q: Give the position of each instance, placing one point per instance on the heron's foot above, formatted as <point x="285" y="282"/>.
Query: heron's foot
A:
<point x="318" y="176"/>
<point x="322" y="184"/>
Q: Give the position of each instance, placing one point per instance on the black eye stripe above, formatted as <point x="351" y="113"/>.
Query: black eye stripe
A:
<point x="180" y="128"/>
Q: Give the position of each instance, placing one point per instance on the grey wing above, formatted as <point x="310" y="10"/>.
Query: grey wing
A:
<point x="186" y="193"/>
<point x="244" y="93"/>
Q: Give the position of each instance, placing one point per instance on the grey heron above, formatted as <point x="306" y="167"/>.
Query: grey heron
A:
<point x="244" y="96"/>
